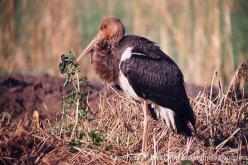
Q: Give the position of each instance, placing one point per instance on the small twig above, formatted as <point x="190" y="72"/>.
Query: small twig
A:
<point x="78" y="86"/>
<point x="211" y="90"/>
<point x="220" y="84"/>
<point x="188" y="144"/>
<point x="62" y="120"/>
<point x="225" y="141"/>
<point x="41" y="146"/>
<point x="74" y="86"/>
<point x="154" y="160"/>
<point x="229" y="88"/>
<point x="76" y="115"/>
<point x="241" y="109"/>
<point x="129" y="100"/>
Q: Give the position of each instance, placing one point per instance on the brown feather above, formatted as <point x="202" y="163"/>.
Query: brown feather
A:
<point x="105" y="62"/>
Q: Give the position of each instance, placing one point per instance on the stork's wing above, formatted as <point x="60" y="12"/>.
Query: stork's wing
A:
<point x="154" y="78"/>
<point x="141" y="45"/>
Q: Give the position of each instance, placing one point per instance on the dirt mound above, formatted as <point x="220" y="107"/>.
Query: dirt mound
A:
<point x="22" y="95"/>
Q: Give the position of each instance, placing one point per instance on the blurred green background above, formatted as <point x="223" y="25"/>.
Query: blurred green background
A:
<point x="202" y="36"/>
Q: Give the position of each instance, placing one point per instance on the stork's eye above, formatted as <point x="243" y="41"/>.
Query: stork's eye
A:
<point x="104" y="26"/>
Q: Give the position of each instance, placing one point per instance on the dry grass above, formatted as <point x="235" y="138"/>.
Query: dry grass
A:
<point x="221" y="136"/>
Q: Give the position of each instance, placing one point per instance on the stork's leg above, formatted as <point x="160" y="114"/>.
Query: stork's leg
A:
<point x="144" y="142"/>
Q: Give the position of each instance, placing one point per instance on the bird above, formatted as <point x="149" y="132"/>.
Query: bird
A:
<point x="143" y="72"/>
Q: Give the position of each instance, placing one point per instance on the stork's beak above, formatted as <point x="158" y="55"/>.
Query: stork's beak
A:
<point x="89" y="47"/>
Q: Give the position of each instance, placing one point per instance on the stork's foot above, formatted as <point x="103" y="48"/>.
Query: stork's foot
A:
<point x="153" y="111"/>
<point x="168" y="116"/>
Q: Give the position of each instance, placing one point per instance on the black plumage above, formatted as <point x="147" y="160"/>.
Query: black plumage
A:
<point x="155" y="76"/>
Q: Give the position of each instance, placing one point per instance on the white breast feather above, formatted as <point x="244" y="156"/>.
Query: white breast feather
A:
<point x="123" y="81"/>
<point x="126" y="54"/>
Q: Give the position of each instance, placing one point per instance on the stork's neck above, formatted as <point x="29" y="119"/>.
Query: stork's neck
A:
<point x="105" y="62"/>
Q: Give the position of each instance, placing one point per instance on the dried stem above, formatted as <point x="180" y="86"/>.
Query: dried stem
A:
<point x="77" y="106"/>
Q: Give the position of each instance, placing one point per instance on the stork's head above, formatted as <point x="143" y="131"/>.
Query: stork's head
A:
<point x="111" y="30"/>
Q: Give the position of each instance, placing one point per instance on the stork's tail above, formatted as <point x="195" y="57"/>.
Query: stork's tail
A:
<point x="182" y="126"/>
<point x="178" y="121"/>
<point x="182" y="121"/>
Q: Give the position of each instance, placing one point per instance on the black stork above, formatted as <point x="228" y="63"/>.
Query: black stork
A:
<point x="144" y="72"/>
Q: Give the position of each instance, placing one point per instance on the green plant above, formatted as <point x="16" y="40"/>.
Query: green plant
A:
<point x="74" y="104"/>
<point x="75" y="99"/>
<point x="68" y="66"/>
<point x="96" y="137"/>
<point x="74" y="143"/>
